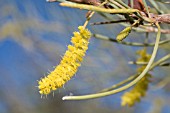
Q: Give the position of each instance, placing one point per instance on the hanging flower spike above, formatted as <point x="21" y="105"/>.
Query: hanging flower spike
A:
<point x="69" y="63"/>
<point x="140" y="89"/>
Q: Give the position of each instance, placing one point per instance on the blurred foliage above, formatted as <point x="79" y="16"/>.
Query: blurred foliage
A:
<point x="140" y="89"/>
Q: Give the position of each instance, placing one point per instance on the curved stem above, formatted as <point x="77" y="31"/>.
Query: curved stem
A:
<point x="120" y="83"/>
<point x="157" y="63"/>
<point x="97" y="95"/>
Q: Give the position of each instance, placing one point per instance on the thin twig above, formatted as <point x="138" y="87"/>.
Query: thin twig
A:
<point x="155" y="5"/>
<point x="98" y="9"/>
<point x="157" y="63"/>
<point x="88" y="19"/>
<point x="92" y="13"/>
<point x="102" y="37"/>
<point x="120" y="83"/>
<point x="164" y="18"/>
<point x="117" y="4"/>
<point x="146" y="8"/>
<point x="122" y="3"/>
<point x="167" y="2"/>
<point x="145" y="63"/>
<point x="152" y="29"/>
<point x="109" y="22"/>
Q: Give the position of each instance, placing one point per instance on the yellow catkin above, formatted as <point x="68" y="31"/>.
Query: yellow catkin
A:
<point x="140" y="89"/>
<point x="69" y="63"/>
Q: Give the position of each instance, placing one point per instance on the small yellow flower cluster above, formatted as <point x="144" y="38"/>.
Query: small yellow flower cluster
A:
<point x="69" y="63"/>
<point x="139" y="90"/>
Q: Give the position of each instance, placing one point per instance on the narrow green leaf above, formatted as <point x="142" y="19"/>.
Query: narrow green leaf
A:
<point x="123" y="34"/>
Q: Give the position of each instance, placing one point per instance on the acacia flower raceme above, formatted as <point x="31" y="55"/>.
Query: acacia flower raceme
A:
<point x="69" y="63"/>
<point x="140" y="89"/>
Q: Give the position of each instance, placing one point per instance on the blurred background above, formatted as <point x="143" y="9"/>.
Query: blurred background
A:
<point x="34" y="35"/>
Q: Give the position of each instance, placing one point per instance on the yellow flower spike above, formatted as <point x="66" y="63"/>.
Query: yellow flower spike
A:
<point x="139" y="90"/>
<point x="71" y="48"/>
<point x="69" y="63"/>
